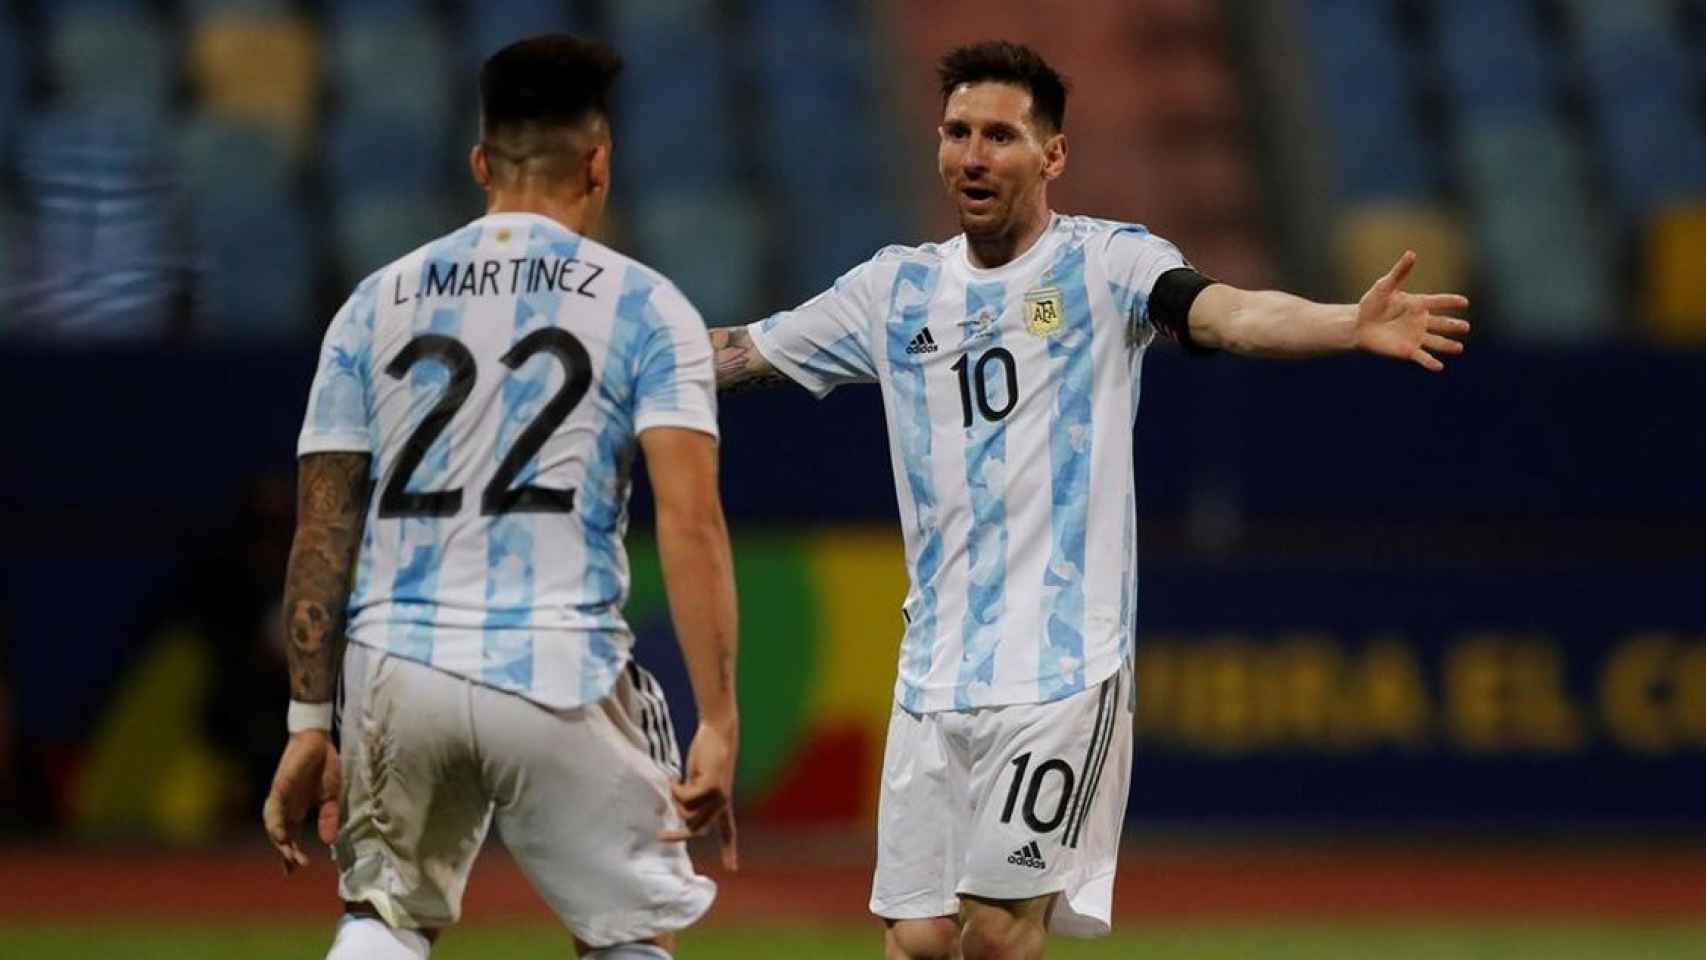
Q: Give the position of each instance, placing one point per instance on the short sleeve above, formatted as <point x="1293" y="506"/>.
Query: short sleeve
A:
<point x="676" y="380"/>
<point x="826" y="341"/>
<point x="337" y="416"/>
<point x="1136" y="259"/>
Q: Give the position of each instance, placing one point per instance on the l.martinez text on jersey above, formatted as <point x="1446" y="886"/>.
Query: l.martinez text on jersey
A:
<point x="504" y="277"/>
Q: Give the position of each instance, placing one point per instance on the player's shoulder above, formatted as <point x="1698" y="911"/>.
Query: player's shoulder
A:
<point x="1090" y="229"/>
<point x="634" y="275"/>
<point x="1115" y="240"/>
<point x="461" y="240"/>
<point x="926" y="253"/>
<point x="360" y="308"/>
<point x="895" y="257"/>
<point x="638" y="283"/>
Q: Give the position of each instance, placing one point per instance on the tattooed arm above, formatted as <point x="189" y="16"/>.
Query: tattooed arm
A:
<point x="331" y="503"/>
<point x="739" y="364"/>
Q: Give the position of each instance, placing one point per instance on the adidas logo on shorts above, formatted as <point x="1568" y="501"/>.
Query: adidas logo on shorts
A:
<point x="1028" y="855"/>
<point x="923" y="343"/>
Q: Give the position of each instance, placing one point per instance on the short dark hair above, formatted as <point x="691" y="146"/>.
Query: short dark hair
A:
<point x="1003" y="62"/>
<point x="550" y="80"/>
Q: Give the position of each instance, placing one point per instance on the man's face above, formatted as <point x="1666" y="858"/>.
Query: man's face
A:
<point x="993" y="158"/>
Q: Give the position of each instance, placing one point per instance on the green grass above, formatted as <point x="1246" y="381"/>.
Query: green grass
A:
<point x="1601" y="942"/>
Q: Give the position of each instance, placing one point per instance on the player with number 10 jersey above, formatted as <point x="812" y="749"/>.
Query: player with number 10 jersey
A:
<point x="1009" y="361"/>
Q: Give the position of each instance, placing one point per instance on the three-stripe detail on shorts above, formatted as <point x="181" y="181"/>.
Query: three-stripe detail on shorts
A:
<point x="654" y="718"/>
<point x="1101" y="739"/>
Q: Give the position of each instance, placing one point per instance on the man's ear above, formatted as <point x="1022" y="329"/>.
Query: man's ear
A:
<point x="598" y="167"/>
<point x="1054" y="156"/>
<point x="481" y="167"/>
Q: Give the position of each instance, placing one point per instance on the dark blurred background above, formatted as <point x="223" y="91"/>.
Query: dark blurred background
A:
<point x="1371" y="599"/>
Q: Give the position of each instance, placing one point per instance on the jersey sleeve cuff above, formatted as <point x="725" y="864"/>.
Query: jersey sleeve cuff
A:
<point x="333" y="443"/>
<point x="777" y="358"/>
<point x="674" y="418"/>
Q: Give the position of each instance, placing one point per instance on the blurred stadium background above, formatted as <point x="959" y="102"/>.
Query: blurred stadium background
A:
<point x="1436" y="691"/>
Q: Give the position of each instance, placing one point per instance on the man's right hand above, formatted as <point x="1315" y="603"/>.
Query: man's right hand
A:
<point x="707" y="796"/>
<point x="308" y="777"/>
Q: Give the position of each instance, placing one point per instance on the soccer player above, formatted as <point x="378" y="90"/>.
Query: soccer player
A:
<point x="462" y="499"/>
<point x="1008" y="359"/>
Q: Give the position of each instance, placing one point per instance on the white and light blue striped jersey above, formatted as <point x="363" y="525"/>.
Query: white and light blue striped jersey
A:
<point x="500" y="378"/>
<point x="1011" y="396"/>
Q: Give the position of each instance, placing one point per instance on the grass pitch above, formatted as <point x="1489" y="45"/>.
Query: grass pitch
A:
<point x="60" y="941"/>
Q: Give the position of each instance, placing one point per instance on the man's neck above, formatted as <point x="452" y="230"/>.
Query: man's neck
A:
<point x="1000" y="249"/>
<point x="570" y="212"/>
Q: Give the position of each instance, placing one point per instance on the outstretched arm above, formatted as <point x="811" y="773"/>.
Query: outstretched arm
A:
<point x="1387" y="321"/>
<point x="739" y="364"/>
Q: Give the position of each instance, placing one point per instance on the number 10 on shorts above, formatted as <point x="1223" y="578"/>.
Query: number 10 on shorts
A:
<point x="1038" y="777"/>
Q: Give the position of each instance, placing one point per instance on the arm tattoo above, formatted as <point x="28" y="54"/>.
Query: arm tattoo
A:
<point x="331" y="505"/>
<point x="739" y="364"/>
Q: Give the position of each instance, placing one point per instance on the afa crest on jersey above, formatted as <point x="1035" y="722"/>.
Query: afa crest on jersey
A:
<point x="1042" y="311"/>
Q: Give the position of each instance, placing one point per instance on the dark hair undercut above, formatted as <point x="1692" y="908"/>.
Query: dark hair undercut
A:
<point x="551" y="80"/>
<point x="1000" y="61"/>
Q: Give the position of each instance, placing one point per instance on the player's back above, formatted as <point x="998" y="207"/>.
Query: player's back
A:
<point x="502" y="375"/>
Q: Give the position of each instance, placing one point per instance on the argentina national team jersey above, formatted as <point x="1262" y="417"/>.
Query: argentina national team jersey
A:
<point x="1011" y="396"/>
<point x="500" y="377"/>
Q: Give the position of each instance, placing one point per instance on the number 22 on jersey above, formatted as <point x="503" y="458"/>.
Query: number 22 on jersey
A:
<point x="498" y="497"/>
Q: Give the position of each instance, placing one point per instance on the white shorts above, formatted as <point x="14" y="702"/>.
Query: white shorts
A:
<point x="430" y="758"/>
<point x="1007" y="803"/>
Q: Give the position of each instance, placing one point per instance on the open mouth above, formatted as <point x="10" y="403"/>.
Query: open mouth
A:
<point x="977" y="194"/>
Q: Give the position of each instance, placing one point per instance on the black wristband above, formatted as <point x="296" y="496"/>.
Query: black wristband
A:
<point x="1170" y="306"/>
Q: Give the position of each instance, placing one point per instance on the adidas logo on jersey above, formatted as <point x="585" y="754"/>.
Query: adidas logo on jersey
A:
<point x="1028" y="855"/>
<point x="923" y="343"/>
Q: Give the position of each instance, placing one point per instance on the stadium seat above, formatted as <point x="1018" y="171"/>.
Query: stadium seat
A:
<point x="252" y="269"/>
<point x="1494" y="60"/>
<point x="199" y="9"/>
<point x="253" y="273"/>
<point x="340" y="11"/>
<point x="684" y="15"/>
<point x="1639" y="17"/>
<point x="802" y="18"/>
<point x="710" y="243"/>
<point x="1545" y="256"/>
<point x="11" y="245"/>
<point x="390" y="189"/>
<point x="369" y="231"/>
<point x="1655" y="153"/>
<point x="816" y="154"/>
<point x="375" y="153"/>
<point x="658" y="123"/>
<point x="490" y="27"/>
<point x="105" y="257"/>
<point x="1369" y="238"/>
<point x="14" y="83"/>
<point x="258" y="66"/>
<point x="1363" y="89"/>
<point x="402" y="68"/>
<point x="817" y="129"/>
<point x="225" y="159"/>
<point x="119" y="60"/>
<point x="1675" y="281"/>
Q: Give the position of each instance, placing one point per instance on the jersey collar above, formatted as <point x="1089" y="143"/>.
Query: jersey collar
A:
<point x="1044" y="242"/>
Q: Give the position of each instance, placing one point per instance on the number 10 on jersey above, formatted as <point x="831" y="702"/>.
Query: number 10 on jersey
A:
<point x="974" y="383"/>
